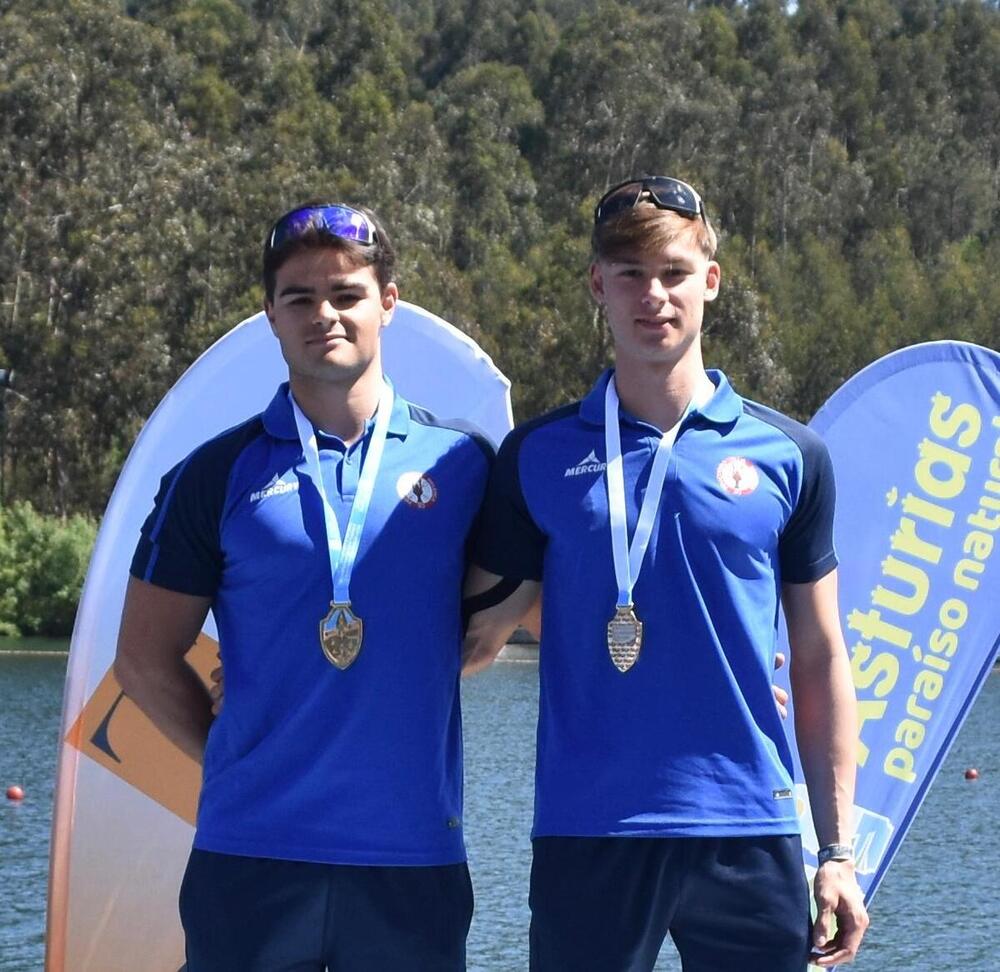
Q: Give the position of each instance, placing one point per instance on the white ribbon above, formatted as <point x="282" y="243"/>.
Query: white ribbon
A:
<point x="628" y="557"/>
<point x="344" y="553"/>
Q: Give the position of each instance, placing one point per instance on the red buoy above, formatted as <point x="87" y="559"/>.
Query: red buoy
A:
<point x="15" y="793"/>
<point x="972" y="773"/>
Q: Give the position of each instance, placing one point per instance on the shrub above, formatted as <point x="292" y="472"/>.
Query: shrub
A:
<point x="43" y="561"/>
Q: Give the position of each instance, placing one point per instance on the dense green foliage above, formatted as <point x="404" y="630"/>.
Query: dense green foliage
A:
<point x="42" y="564"/>
<point x="849" y="150"/>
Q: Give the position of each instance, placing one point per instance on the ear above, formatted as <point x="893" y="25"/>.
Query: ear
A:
<point x="390" y="296"/>
<point x="269" y="311"/>
<point x="596" y="282"/>
<point x="713" y="279"/>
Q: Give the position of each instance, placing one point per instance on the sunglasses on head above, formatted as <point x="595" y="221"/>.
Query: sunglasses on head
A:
<point x="332" y="219"/>
<point x="662" y="191"/>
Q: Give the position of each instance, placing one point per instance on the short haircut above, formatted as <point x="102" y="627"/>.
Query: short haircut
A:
<point x="646" y="229"/>
<point x="380" y="255"/>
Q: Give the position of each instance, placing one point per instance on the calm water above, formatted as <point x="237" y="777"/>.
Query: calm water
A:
<point x="935" y="912"/>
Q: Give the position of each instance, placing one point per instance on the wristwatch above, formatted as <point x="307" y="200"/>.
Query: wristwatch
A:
<point x="835" y="852"/>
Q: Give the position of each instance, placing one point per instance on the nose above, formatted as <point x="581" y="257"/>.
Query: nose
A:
<point x="656" y="293"/>
<point x="326" y="312"/>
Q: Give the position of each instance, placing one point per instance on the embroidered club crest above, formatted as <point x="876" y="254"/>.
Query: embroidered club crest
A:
<point x="737" y="476"/>
<point x="417" y="490"/>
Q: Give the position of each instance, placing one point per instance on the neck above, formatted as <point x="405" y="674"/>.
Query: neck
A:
<point x="658" y="395"/>
<point x="339" y="409"/>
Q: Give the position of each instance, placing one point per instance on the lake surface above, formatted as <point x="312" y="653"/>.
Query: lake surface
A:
<point x="935" y="912"/>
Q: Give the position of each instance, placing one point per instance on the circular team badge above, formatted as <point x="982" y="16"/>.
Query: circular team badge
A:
<point x="417" y="489"/>
<point x="737" y="476"/>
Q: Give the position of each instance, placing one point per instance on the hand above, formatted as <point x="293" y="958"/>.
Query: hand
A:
<point x="217" y="690"/>
<point x="840" y="905"/>
<point x="780" y="695"/>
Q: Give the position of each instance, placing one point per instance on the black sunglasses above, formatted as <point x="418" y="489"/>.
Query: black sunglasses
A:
<point x="662" y="191"/>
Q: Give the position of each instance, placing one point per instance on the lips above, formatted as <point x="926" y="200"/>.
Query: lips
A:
<point x="324" y="339"/>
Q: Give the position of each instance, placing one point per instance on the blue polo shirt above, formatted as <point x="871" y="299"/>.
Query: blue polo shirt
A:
<point x="305" y="761"/>
<point x="689" y="742"/>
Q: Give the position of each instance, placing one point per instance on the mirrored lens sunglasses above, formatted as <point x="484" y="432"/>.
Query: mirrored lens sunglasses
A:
<point x="333" y="219"/>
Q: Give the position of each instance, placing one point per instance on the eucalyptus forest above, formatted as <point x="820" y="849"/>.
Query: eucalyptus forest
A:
<point x="848" y="150"/>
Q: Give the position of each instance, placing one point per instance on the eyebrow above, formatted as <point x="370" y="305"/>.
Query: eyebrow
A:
<point x="656" y="267"/>
<point x="677" y="263"/>
<point x="294" y="289"/>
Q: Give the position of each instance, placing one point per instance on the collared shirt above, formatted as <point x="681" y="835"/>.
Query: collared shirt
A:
<point x="306" y="761"/>
<point x="689" y="741"/>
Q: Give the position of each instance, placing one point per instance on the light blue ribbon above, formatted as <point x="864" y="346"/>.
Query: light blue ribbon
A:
<point x="344" y="553"/>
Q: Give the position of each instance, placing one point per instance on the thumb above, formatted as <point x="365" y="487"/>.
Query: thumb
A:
<point x="823" y="926"/>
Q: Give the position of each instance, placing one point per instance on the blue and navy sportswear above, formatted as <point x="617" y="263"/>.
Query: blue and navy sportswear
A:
<point x="689" y="742"/>
<point x="307" y="762"/>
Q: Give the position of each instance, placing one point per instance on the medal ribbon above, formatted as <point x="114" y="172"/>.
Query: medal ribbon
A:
<point x="628" y="557"/>
<point x="344" y="553"/>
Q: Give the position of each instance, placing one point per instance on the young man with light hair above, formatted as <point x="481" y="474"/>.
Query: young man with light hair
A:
<point x="665" y="520"/>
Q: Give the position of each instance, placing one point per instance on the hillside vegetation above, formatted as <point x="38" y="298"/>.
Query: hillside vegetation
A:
<point x="849" y="151"/>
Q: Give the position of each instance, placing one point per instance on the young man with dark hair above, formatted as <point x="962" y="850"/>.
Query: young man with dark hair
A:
<point x="329" y="830"/>
<point x="665" y="519"/>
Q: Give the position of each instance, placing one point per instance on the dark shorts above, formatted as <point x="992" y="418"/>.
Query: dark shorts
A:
<point x="730" y="904"/>
<point x="247" y="914"/>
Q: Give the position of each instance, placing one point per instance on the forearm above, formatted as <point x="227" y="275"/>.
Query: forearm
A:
<point x="486" y="636"/>
<point x="826" y="735"/>
<point x="825" y="724"/>
<point x="481" y="646"/>
<point x="157" y="629"/>
<point x="174" y="699"/>
<point x="489" y="628"/>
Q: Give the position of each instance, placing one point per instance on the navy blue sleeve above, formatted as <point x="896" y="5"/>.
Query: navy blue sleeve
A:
<point x="179" y="545"/>
<point x="508" y="541"/>
<point x="805" y="548"/>
<point x="489" y="451"/>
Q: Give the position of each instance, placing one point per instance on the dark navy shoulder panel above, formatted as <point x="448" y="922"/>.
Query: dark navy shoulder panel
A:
<point x="547" y="418"/>
<point x="800" y="434"/>
<point x="806" y="547"/>
<point x="423" y="417"/>
<point x="179" y="545"/>
<point x="509" y="542"/>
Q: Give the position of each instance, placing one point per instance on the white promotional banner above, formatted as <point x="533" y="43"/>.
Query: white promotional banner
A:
<point x="125" y="797"/>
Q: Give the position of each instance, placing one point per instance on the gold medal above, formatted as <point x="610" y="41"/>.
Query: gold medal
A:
<point x="624" y="638"/>
<point x="340" y="635"/>
<point x="341" y="630"/>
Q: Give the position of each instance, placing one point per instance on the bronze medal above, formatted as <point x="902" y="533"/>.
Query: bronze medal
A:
<point x="340" y="635"/>
<point x="624" y="638"/>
